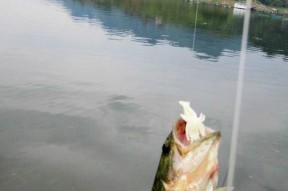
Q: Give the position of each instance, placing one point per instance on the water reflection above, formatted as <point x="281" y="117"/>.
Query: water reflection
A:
<point x="239" y="12"/>
<point x="153" y="30"/>
<point x="148" y="26"/>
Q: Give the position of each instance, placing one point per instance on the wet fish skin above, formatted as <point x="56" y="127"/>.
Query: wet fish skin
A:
<point x="165" y="166"/>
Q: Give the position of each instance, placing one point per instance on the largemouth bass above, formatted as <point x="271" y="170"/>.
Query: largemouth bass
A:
<point x="189" y="156"/>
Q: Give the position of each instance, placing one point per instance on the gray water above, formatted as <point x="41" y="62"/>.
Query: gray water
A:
<point x="89" y="92"/>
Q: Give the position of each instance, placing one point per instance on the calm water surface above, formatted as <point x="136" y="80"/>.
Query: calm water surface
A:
<point x="89" y="91"/>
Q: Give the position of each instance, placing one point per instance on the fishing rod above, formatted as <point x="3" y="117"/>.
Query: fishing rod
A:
<point x="239" y="90"/>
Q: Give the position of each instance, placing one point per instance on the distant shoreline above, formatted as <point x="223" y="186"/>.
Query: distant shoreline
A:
<point x="259" y="7"/>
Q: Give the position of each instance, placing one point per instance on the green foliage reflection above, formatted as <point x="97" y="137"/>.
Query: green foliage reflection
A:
<point x="266" y="32"/>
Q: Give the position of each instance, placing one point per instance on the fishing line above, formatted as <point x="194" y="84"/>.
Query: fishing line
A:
<point x="195" y="26"/>
<point x="238" y="102"/>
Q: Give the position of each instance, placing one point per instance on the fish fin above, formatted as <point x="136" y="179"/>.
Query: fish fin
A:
<point x="225" y="189"/>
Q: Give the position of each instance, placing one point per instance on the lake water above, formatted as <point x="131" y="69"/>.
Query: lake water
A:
<point x="89" y="91"/>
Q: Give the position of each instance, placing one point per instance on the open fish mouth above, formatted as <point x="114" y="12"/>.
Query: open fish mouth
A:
<point x="189" y="127"/>
<point x="184" y="144"/>
<point x="189" y="131"/>
<point x="180" y="134"/>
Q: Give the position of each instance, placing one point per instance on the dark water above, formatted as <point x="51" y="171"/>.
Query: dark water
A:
<point x="89" y="91"/>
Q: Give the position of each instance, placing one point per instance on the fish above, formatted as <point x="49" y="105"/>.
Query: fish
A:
<point x="189" y="158"/>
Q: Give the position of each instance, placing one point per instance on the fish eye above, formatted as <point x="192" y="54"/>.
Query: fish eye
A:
<point x="166" y="148"/>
